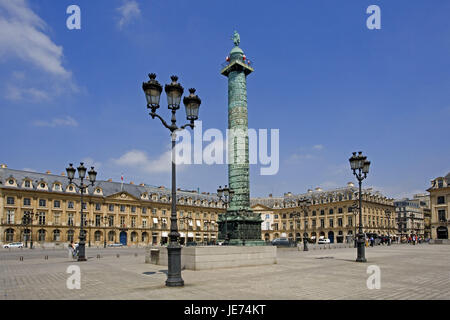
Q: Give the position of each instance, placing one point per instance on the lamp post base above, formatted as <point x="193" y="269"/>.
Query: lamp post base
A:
<point x="174" y="266"/>
<point x="361" y="250"/>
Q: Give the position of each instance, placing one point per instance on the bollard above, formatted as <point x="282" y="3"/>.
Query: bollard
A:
<point x="46" y="258"/>
<point x="21" y="258"/>
<point x="118" y="255"/>
<point x="135" y="254"/>
<point x="98" y="256"/>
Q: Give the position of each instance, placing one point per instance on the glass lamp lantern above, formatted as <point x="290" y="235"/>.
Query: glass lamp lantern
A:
<point x="70" y="171"/>
<point x="220" y="192"/>
<point x="174" y="92"/>
<point x="92" y="175"/>
<point x="152" y="90"/>
<point x="192" y="104"/>
<point x="366" y="167"/>
<point x="81" y="170"/>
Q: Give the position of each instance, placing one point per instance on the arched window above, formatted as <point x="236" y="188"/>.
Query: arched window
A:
<point x="144" y="236"/>
<point x="70" y="234"/>
<point x="56" y="235"/>
<point x="9" y="235"/>
<point x="111" y="236"/>
<point x="134" y="236"/>
<point x="97" y="235"/>
<point x="41" y="235"/>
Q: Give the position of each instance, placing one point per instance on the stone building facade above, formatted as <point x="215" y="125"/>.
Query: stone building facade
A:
<point x="440" y="207"/>
<point x="120" y="213"/>
<point x="330" y="214"/>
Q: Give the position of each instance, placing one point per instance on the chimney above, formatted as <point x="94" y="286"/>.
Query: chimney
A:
<point x="350" y="184"/>
<point x="270" y="195"/>
<point x="318" y="189"/>
<point x="3" y="166"/>
<point x="309" y="191"/>
<point x="142" y="185"/>
<point x="131" y="182"/>
<point x="63" y="174"/>
<point x="48" y="172"/>
<point x="109" y="180"/>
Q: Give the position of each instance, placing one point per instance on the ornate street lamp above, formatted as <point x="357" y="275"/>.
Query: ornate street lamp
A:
<point x="82" y="186"/>
<point x="305" y="241"/>
<point x="27" y="220"/>
<point x="105" y="221"/>
<point x="174" y="91"/>
<point x="227" y="194"/>
<point x="360" y="167"/>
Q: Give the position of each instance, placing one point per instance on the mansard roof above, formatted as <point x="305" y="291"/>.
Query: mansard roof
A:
<point x="108" y="187"/>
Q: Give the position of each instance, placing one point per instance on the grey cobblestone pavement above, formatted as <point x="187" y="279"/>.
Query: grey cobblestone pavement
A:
<point x="407" y="272"/>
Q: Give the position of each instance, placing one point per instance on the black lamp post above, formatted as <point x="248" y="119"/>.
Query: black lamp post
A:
<point x="174" y="91"/>
<point x="360" y="167"/>
<point x="27" y="220"/>
<point x="89" y="223"/>
<point x="305" y="241"/>
<point x="105" y="221"/>
<point x="388" y="214"/>
<point x="227" y="194"/>
<point x="82" y="186"/>
<point x="295" y="215"/>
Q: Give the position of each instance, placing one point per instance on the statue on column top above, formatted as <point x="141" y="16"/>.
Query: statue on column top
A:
<point x="236" y="38"/>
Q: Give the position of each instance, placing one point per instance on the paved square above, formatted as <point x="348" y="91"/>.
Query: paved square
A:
<point x="407" y="272"/>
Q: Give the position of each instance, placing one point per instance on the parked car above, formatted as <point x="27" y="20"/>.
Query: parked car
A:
<point x="281" y="242"/>
<point x="324" y="241"/>
<point x="115" y="245"/>
<point x="191" y="244"/>
<point x="13" y="245"/>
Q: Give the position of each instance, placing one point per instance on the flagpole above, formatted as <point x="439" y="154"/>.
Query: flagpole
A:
<point x="121" y="186"/>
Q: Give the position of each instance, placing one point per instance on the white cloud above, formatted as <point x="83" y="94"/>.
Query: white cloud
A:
<point x="16" y="93"/>
<point x="297" y="158"/>
<point x="318" y="147"/>
<point x="66" y="121"/>
<point x="129" y="11"/>
<point x="139" y="159"/>
<point x="22" y="35"/>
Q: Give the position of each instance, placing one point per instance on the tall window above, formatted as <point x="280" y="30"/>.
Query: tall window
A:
<point x="26" y="201"/>
<point x="440" y="200"/>
<point x="322" y="212"/>
<point x="10" y="216"/>
<point x="9" y="235"/>
<point x="441" y="215"/>
<point x="111" y="207"/>
<point x="133" y="222"/>
<point x="153" y="211"/>
<point x="133" y="209"/>
<point x="41" y="218"/>
<point x="164" y="212"/>
<point x="70" y="219"/>
<point x="144" y="210"/>
<point x="331" y="211"/>
<point x="83" y="219"/>
<point x="111" y="221"/>
<point x="41" y="235"/>
<point x="144" y="223"/>
<point x="97" y="220"/>
<point x="42" y="203"/>
<point x="70" y="205"/>
<point x="98" y="206"/>
<point x="10" y="200"/>
<point x="306" y="224"/>
<point x="350" y="221"/>
<point x="57" y="204"/>
<point x="122" y="208"/>
<point x="122" y="221"/>
<point x="340" y="210"/>
<point x="322" y="223"/>
<point x="56" y="219"/>
<point x="313" y="223"/>
<point x="70" y="234"/>
<point x="84" y="205"/>
<point x="331" y="223"/>
<point x="314" y="212"/>
<point x="340" y="222"/>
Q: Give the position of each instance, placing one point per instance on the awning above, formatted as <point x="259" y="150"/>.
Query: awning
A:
<point x="190" y="235"/>
<point x="182" y="234"/>
<point x="190" y="223"/>
<point x="198" y="223"/>
<point x="205" y="236"/>
<point x="155" y="220"/>
<point x="213" y="236"/>
<point x="313" y="237"/>
<point x="164" y="234"/>
<point x="213" y="222"/>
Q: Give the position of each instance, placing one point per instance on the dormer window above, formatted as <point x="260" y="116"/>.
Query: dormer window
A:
<point x="11" y="181"/>
<point x="27" y="184"/>
<point x="98" y="191"/>
<point x="42" y="185"/>
<point x="57" y="187"/>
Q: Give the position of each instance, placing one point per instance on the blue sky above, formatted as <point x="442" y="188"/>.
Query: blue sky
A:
<point x="327" y="82"/>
